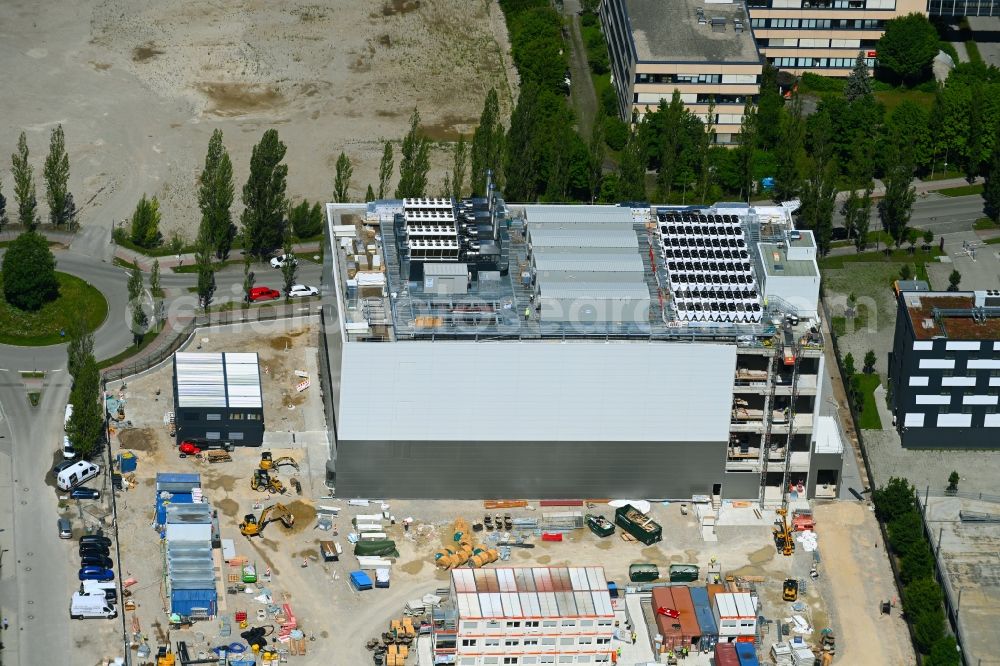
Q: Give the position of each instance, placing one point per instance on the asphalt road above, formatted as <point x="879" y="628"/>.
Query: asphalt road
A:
<point x="940" y="214"/>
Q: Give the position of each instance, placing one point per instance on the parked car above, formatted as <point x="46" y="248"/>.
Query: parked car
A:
<point x="85" y="494"/>
<point x="68" y="451"/>
<point x="94" y="549"/>
<point x="298" y="290"/>
<point x="60" y="466"/>
<point x="65" y="528"/>
<point x="94" y="560"/>
<point x="281" y="259"/>
<point x="263" y="294"/>
<point x="96" y="573"/>
<point x="95" y="538"/>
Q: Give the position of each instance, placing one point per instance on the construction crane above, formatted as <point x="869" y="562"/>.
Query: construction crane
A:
<point x="253" y="526"/>
<point x="783" y="540"/>
<point x="263" y="481"/>
<point x="267" y="462"/>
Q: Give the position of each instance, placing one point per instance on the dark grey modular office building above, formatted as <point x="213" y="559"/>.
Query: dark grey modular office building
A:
<point x="217" y="396"/>
<point x="945" y="369"/>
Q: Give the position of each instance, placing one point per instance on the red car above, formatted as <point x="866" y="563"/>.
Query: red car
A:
<point x="263" y="294"/>
<point x="668" y="612"/>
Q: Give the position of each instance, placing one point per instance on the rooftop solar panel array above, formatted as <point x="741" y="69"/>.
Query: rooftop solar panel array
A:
<point x="708" y="266"/>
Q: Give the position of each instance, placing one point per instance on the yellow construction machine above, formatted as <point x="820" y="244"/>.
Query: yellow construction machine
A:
<point x="267" y="462"/>
<point x="253" y="526"/>
<point x="262" y="481"/>
<point x="783" y="540"/>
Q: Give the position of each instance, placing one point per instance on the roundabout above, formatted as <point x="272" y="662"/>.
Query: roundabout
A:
<point x="42" y="327"/>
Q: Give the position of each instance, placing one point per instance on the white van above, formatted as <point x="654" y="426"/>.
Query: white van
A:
<point x="84" y="606"/>
<point x="77" y="473"/>
<point x="69" y="415"/>
<point x="97" y="588"/>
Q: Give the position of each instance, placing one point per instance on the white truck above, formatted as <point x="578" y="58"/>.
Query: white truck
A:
<point x="91" y="605"/>
<point x="96" y="587"/>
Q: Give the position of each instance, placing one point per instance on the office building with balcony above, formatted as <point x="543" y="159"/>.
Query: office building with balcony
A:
<point x="945" y="369"/>
<point x="705" y="51"/>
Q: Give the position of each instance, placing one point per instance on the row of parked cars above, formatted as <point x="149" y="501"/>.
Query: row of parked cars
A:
<point x="267" y="294"/>
<point x="98" y="592"/>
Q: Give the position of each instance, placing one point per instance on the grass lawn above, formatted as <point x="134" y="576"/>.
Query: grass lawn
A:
<point x="993" y="241"/>
<point x="963" y="191"/>
<point x="869" y="419"/>
<point x="873" y="236"/>
<point x="944" y="175"/>
<point x="36" y="329"/>
<point x="893" y="98"/>
<point x="842" y="326"/>
<point x="900" y="256"/>
<point x="147" y="339"/>
<point x="984" y="223"/>
<point x="123" y="263"/>
<point x="193" y="267"/>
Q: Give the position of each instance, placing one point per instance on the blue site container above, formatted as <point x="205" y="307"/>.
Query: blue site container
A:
<point x="127" y="462"/>
<point x="183" y="602"/>
<point x="747" y="654"/>
<point x="161" y="505"/>
<point x="706" y="619"/>
<point x="361" y="581"/>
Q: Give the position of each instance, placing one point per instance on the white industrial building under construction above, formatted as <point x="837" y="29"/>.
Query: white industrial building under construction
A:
<point x="478" y="349"/>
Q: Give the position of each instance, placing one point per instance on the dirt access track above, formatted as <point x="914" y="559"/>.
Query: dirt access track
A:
<point x="139" y="86"/>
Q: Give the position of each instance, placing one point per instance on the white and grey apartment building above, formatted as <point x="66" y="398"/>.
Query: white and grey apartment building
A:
<point x="568" y="351"/>
<point x="945" y="369"/>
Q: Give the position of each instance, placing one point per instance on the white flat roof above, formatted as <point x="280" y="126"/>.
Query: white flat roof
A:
<point x="564" y="391"/>
<point x="826" y="434"/>
<point x="215" y="379"/>
<point x="527" y="592"/>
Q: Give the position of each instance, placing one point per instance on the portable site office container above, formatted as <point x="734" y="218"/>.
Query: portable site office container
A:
<point x="677" y="632"/>
<point x="643" y="573"/>
<point x="706" y="620"/>
<point x="735" y="614"/>
<point x="683" y="573"/>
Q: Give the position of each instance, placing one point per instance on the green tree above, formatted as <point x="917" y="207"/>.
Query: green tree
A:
<point x="953" y="480"/>
<point x="991" y="189"/>
<point x="446" y="188"/>
<point x="206" y="272"/>
<point x="631" y="179"/>
<point x="487" y="145"/>
<point x="135" y="285"/>
<point x="790" y="152"/>
<point x="906" y="533"/>
<point x="917" y="563"/>
<point x="972" y="154"/>
<point x="595" y="164"/>
<point x="458" y="167"/>
<point x="896" y="205"/>
<point x="85" y="428"/>
<point x="870" y="360"/>
<point x="849" y="368"/>
<point x="342" y="180"/>
<point x="154" y="278"/>
<point x="370" y="193"/>
<point x="290" y="268"/>
<point x="928" y="629"/>
<point x="139" y="323"/>
<point x="944" y="652"/>
<point x="29" y="272"/>
<point x="909" y="124"/>
<point x="24" y="185"/>
<point x="176" y="243"/>
<point x="306" y="220"/>
<point x="3" y="209"/>
<point x="248" y="278"/>
<point x="908" y="47"/>
<point x="385" y="168"/>
<point x="215" y="197"/>
<point x="859" y="82"/>
<point x="895" y="498"/>
<point x="145" y="224"/>
<point x="819" y="188"/>
<point x="414" y="161"/>
<point x="747" y="145"/>
<point x="928" y="238"/>
<point x="953" y="280"/>
<point x="56" y="172"/>
<point x="81" y="343"/>
<point x="769" y="109"/>
<point x="705" y="149"/>
<point x="263" y="218"/>
<point x="905" y="272"/>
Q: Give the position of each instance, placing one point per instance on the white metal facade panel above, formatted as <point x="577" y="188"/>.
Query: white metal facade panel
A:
<point x="992" y="421"/>
<point x="914" y="420"/>
<point x="923" y="345"/>
<point x="979" y="400"/>
<point x="984" y="364"/>
<point x="962" y="345"/>
<point x="933" y="399"/>
<point x="189" y="532"/>
<point x="954" y="420"/>
<point x="574" y="391"/>
<point x="919" y="381"/>
<point x="937" y="364"/>
<point x="958" y="381"/>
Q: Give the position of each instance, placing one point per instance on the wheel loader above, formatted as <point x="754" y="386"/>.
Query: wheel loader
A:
<point x="262" y="481"/>
<point x="253" y="526"/>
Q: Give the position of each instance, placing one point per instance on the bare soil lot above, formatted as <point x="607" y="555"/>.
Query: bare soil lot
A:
<point x="140" y="85"/>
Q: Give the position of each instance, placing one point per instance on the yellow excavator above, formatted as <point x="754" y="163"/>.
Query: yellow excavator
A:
<point x="253" y="526"/>
<point x="783" y="540"/>
<point x="267" y="462"/>
<point x="263" y="481"/>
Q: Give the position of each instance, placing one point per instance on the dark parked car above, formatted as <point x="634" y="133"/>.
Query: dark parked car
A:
<point x="95" y="560"/>
<point x="61" y="465"/>
<point x="96" y="573"/>
<point x="95" y="538"/>
<point x="94" y="549"/>
<point x="84" y="494"/>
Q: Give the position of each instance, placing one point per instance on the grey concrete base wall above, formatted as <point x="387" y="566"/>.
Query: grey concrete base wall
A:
<point x="824" y="461"/>
<point x="950" y="438"/>
<point x="483" y="470"/>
